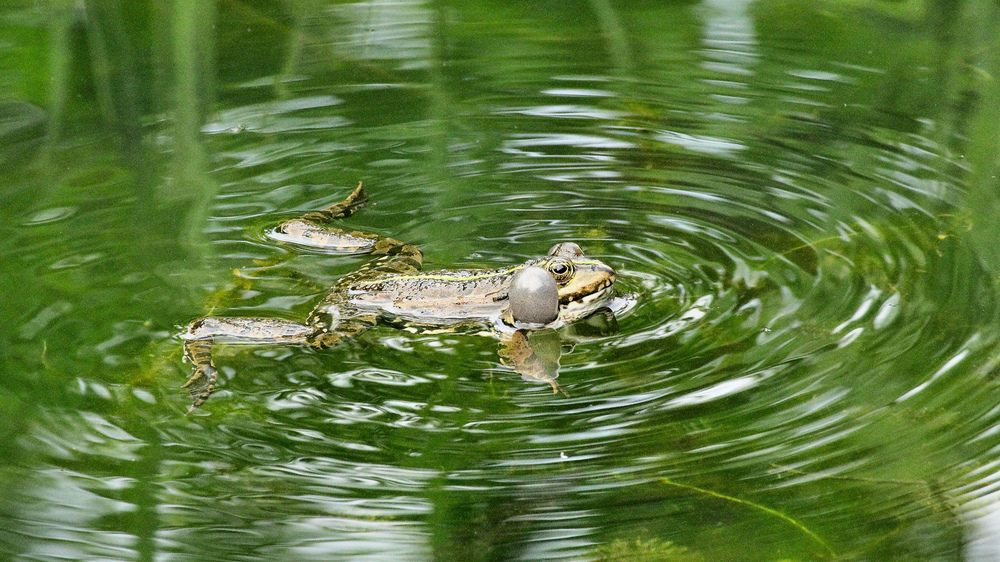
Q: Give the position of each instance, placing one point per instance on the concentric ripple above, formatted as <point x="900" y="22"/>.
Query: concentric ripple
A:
<point x="802" y="363"/>
<point x="783" y="308"/>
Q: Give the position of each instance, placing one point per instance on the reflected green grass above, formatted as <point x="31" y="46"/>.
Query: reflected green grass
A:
<point x="798" y="199"/>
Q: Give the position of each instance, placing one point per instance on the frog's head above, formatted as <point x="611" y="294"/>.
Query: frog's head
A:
<point x="584" y="283"/>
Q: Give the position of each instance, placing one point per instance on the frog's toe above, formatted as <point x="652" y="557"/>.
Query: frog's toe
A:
<point x="556" y="389"/>
<point x="201" y="385"/>
<point x="194" y="377"/>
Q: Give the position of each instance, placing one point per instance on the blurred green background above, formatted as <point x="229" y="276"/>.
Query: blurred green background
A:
<point x="800" y="199"/>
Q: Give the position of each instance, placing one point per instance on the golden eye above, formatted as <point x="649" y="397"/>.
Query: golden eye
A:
<point x="561" y="269"/>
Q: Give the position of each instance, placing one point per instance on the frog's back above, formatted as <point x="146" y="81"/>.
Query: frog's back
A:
<point x="435" y="297"/>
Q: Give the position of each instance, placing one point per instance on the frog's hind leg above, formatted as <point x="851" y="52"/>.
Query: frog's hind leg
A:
<point x="203" y="332"/>
<point x="311" y="228"/>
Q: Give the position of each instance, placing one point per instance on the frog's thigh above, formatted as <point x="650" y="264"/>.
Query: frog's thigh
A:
<point x="308" y="233"/>
<point x="261" y="330"/>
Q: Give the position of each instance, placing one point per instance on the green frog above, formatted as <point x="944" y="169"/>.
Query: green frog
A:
<point x="391" y="288"/>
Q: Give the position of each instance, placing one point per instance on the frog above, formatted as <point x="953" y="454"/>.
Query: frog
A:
<point x="392" y="289"/>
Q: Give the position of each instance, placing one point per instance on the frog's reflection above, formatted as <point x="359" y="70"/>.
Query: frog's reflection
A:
<point x="535" y="353"/>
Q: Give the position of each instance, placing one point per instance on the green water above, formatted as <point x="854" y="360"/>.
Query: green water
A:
<point x="799" y="198"/>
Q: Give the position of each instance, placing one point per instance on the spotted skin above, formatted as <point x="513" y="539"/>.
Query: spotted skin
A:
<point x="390" y="288"/>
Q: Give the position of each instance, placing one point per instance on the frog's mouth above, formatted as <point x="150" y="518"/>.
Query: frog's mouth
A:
<point x="592" y="297"/>
<point x="584" y="305"/>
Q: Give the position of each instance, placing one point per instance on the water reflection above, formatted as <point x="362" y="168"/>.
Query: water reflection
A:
<point x="805" y="345"/>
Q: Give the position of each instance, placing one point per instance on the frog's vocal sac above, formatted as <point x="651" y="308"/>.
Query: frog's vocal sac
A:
<point x="391" y="288"/>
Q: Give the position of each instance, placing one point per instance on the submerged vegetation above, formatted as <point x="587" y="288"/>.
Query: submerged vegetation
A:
<point x="798" y="198"/>
<point x="652" y="550"/>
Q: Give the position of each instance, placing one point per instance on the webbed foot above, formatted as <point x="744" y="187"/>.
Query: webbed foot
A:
<point x="201" y="385"/>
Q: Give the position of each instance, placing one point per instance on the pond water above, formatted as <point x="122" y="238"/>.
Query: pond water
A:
<point x="798" y="198"/>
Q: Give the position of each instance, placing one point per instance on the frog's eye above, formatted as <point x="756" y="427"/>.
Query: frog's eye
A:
<point x="561" y="270"/>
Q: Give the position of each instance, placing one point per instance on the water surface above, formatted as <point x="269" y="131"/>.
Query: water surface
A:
<point x="797" y="198"/>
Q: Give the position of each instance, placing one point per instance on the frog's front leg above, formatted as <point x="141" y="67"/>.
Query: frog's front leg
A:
<point x="203" y="332"/>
